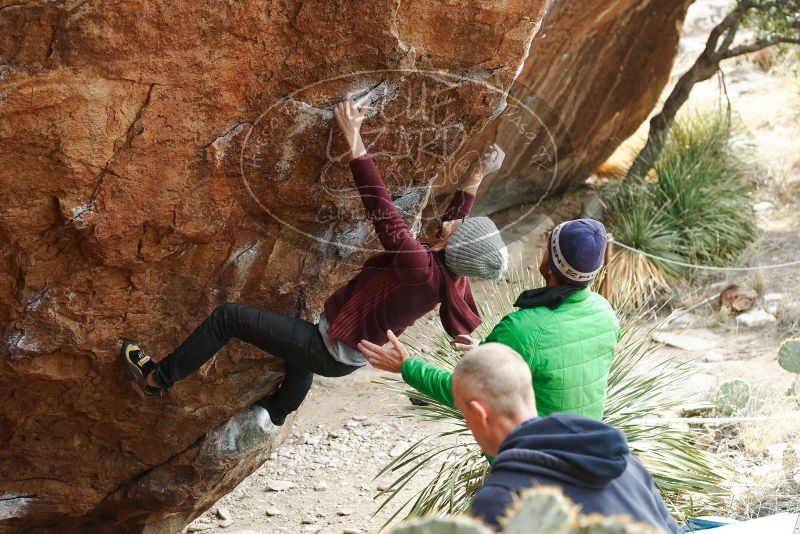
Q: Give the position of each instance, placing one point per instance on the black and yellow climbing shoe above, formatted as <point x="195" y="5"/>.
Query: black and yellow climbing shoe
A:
<point x="139" y="364"/>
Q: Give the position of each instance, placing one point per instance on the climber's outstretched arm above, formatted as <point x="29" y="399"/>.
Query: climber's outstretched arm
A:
<point x="464" y="197"/>
<point x="412" y="261"/>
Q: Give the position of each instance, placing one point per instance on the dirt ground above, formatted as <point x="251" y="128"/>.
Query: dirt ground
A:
<point x="323" y="479"/>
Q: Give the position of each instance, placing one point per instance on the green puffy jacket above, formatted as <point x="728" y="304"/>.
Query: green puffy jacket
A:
<point x="568" y="349"/>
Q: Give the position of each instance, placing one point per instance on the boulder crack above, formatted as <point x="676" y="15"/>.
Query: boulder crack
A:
<point x="121" y="144"/>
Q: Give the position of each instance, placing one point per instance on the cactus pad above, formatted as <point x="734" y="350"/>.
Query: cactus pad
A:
<point x="539" y="511"/>
<point x="732" y="396"/>
<point x="789" y="355"/>
<point x="441" y="525"/>
<point x="597" y="524"/>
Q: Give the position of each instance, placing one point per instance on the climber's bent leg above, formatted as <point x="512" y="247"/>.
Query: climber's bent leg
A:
<point x="297" y="381"/>
<point x="295" y="341"/>
<point x="290" y="394"/>
<point x="285" y="337"/>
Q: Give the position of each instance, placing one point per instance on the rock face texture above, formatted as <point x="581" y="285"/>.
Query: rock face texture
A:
<point x="594" y="73"/>
<point x="160" y="158"/>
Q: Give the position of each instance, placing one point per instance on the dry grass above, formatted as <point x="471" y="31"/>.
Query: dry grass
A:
<point x="635" y="277"/>
<point x="765" y="59"/>
<point x="762" y="444"/>
<point x="776" y="411"/>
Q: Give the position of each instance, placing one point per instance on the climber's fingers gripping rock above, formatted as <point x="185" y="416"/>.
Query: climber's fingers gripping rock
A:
<point x="349" y="117"/>
<point x="492" y="159"/>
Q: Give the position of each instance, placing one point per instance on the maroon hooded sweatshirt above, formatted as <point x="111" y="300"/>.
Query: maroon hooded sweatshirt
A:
<point x="398" y="286"/>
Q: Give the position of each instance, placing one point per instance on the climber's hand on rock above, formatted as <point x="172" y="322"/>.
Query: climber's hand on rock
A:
<point x="491" y="159"/>
<point x="389" y="358"/>
<point x="464" y="343"/>
<point x="349" y="117"/>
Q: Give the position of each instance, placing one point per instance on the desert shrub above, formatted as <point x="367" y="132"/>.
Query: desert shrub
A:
<point x="694" y="208"/>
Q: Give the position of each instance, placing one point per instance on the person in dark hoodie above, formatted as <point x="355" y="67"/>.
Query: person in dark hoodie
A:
<point x="393" y="289"/>
<point x="589" y="460"/>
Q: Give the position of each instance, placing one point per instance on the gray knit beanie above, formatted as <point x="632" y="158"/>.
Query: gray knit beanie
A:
<point x="476" y="249"/>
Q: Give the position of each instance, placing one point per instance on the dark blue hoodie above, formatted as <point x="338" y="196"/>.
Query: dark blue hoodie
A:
<point x="590" y="462"/>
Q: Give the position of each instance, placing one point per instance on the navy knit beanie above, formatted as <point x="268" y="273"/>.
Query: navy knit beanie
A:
<point x="577" y="249"/>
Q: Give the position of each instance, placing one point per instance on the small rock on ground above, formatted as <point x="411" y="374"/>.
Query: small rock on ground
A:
<point x="279" y="485"/>
<point x="755" y="317"/>
<point x="701" y="340"/>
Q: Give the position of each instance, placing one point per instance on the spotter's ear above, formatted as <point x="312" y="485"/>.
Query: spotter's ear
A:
<point x="480" y="410"/>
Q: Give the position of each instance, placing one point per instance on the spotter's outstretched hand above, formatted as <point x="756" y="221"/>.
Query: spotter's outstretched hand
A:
<point x="389" y="358"/>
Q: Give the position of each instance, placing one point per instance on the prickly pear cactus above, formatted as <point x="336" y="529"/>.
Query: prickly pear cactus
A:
<point x="441" y="525"/>
<point x="732" y="396"/>
<point x="796" y="388"/>
<point x="539" y="511"/>
<point x="789" y="355"/>
<point x="596" y="524"/>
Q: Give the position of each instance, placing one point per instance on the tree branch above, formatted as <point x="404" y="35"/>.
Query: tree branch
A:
<point x="730" y="20"/>
<point x="758" y="45"/>
<point x="767" y="6"/>
<point x="729" y="36"/>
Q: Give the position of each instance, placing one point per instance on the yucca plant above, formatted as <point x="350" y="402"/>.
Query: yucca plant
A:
<point x="695" y="208"/>
<point x="641" y="389"/>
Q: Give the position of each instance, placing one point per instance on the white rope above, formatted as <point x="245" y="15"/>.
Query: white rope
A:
<point x="706" y="267"/>
<point x="721" y="420"/>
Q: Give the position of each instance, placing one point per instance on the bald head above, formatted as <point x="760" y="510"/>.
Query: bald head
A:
<point x="497" y="376"/>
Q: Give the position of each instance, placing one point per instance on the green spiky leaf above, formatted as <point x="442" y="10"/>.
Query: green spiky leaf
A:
<point x="697" y="209"/>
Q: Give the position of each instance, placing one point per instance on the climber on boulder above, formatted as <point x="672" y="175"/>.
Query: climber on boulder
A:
<point x="392" y="290"/>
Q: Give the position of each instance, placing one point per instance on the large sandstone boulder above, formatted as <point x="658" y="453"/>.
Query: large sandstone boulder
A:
<point x="595" y="71"/>
<point x="159" y="158"/>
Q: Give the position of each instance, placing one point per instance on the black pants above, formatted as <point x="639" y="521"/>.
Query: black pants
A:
<point x="295" y="341"/>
